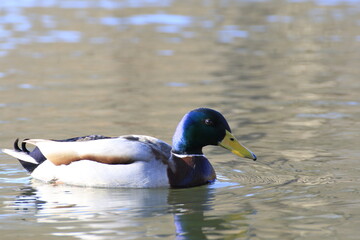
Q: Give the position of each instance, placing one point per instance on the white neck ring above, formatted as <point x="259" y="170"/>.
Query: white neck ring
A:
<point x="187" y="155"/>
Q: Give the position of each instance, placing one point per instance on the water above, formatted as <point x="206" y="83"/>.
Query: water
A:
<point x="284" y="73"/>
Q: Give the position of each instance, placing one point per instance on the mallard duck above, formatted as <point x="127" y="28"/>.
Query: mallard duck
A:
<point x="133" y="161"/>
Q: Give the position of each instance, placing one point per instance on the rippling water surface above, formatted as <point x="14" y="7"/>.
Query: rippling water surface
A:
<point x="284" y="73"/>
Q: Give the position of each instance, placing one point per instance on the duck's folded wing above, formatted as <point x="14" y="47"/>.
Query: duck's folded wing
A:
<point x="108" y="151"/>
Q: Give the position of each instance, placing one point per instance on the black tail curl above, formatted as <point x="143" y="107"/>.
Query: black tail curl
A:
<point x="23" y="146"/>
<point x="16" y="146"/>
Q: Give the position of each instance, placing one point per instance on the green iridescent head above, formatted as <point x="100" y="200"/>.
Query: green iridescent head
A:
<point x="202" y="127"/>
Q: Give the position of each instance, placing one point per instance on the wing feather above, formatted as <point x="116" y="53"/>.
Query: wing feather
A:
<point x="57" y="152"/>
<point x="109" y="151"/>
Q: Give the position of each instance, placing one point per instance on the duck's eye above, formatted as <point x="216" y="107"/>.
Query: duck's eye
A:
<point x="209" y="122"/>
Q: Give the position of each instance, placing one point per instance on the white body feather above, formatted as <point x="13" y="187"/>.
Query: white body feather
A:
<point x="147" y="171"/>
<point x="93" y="174"/>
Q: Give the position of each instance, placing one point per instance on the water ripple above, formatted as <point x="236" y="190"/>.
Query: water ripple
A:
<point x="59" y="36"/>
<point x="340" y="103"/>
<point x="229" y="33"/>
<point x="329" y="115"/>
<point x="161" y="18"/>
<point x="107" y="4"/>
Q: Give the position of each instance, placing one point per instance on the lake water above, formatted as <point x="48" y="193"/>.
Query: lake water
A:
<point x="284" y="73"/>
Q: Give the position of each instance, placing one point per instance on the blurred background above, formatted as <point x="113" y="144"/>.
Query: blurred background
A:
<point x="285" y="73"/>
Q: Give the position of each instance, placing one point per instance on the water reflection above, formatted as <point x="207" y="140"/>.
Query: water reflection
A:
<point x="229" y="34"/>
<point x="96" y="211"/>
<point x="59" y="36"/>
<point x="174" y="20"/>
<point x="193" y="221"/>
<point x="117" y="211"/>
<point x="188" y="209"/>
<point x="106" y="4"/>
<point x="285" y="73"/>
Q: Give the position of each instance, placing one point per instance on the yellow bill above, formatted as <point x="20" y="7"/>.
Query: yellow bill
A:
<point x="231" y="143"/>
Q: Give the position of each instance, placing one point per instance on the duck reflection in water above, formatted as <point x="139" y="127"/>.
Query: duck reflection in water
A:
<point x="192" y="210"/>
<point x="192" y="215"/>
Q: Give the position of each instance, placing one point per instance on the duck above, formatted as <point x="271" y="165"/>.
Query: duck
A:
<point x="133" y="161"/>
